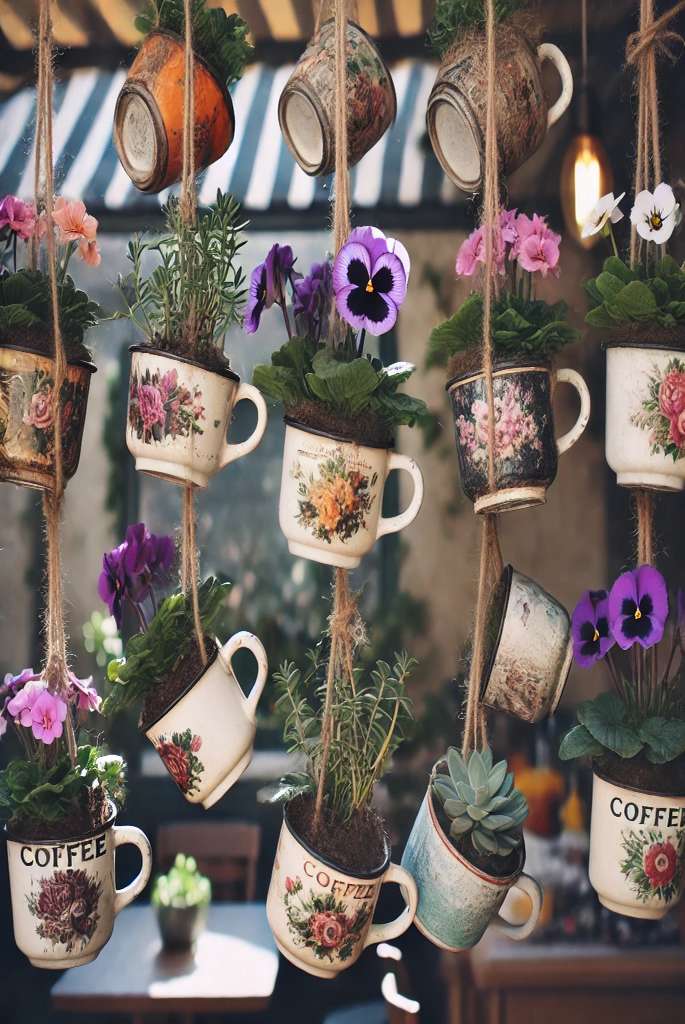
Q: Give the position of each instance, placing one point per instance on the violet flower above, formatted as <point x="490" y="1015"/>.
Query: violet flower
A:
<point x="131" y="570"/>
<point x="267" y="284"/>
<point x="590" y="630"/>
<point x="312" y="297"/>
<point x="112" y="582"/>
<point x="638" y="607"/>
<point x="370" y="276"/>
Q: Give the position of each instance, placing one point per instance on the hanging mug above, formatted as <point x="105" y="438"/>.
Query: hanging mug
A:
<point x="457" y="104"/>
<point x="306" y="109"/>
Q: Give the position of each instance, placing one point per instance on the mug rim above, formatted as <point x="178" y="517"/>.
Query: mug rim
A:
<point x="16" y="346"/>
<point x="500" y="368"/>
<point x="290" y="421"/>
<point x="673" y="346"/>
<point x="507" y="576"/>
<point x="634" y="789"/>
<point x="212" y="655"/>
<point x="152" y="350"/>
<point x="14" y="837"/>
<point x="329" y="862"/>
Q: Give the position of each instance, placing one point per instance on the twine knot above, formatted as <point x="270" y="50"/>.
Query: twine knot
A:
<point x="656" y="37"/>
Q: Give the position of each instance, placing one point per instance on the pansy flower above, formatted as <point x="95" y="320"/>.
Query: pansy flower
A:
<point x="370" y="276"/>
<point x="638" y="607"/>
<point x="605" y="210"/>
<point x="267" y="284"/>
<point x="655" y="215"/>
<point x="592" y="636"/>
<point x="112" y="582"/>
<point x="312" y="300"/>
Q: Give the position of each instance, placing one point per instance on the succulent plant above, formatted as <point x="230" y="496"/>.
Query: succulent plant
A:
<point x="480" y="800"/>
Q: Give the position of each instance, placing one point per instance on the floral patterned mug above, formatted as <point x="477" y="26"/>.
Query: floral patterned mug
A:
<point x="178" y="416"/>
<point x="525" y="448"/>
<point x="64" y="897"/>
<point x="321" y="916"/>
<point x="332" y="493"/>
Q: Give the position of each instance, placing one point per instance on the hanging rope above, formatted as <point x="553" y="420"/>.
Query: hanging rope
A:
<point x="490" y="566"/>
<point x="188" y="204"/>
<point x="341" y="195"/>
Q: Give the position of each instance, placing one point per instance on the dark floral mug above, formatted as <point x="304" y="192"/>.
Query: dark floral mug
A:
<point x="526" y="451"/>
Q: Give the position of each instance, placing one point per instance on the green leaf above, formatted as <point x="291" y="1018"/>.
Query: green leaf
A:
<point x="463" y="330"/>
<point x="635" y="302"/>
<point x="578" y="742"/>
<point x="608" y="285"/>
<point x="615" y="266"/>
<point x="606" y="719"/>
<point x="664" y="738"/>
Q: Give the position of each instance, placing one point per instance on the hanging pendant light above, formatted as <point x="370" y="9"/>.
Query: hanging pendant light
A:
<point x="586" y="173"/>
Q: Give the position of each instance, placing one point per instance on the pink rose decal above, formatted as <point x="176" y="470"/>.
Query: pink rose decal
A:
<point x="150" y="405"/>
<point x="329" y="929"/>
<point x="40" y="413"/>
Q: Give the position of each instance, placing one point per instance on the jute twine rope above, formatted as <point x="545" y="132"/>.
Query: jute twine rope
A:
<point x="642" y="48"/>
<point x="324" y="10"/>
<point x="490" y="567"/>
<point x="188" y="203"/>
<point x="56" y="665"/>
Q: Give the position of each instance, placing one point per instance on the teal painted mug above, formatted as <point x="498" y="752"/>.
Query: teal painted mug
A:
<point x="458" y="901"/>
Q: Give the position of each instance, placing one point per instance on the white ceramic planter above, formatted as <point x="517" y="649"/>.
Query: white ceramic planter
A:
<point x="321" y="916"/>
<point x="178" y="417"/>
<point x="637" y="849"/>
<point x="64" y="898"/>
<point x="205" y="738"/>
<point x="332" y="495"/>
<point x="457" y="901"/>
<point x="645" y="417"/>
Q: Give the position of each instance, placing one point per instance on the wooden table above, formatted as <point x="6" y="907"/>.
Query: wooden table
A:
<point x="564" y="983"/>
<point x="233" y="968"/>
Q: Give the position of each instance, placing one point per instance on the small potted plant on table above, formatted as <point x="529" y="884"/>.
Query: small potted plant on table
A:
<point x="148" y="117"/>
<point x="194" y="713"/>
<point x="342" y="406"/>
<point x="60" y="803"/>
<point x="181" y="899"/>
<point x="182" y="389"/>
<point x="640" y="309"/>
<point x="526" y="333"/>
<point x="635" y="734"/>
<point x="27" y="364"/>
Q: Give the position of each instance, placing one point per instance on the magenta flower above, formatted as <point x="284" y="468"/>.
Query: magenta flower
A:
<point x="590" y="628"/>
<point x="150" y="406"/>
<point x="21" y="705"/>
<point x="47" y="717"/>
<point x="370" y="276"/>
<point x="471" y="253"/>
<point x="83" y="694"/>
<point x="18" y="216"/>
<point x="537" y="246"/>
<point x="638" y="607"/>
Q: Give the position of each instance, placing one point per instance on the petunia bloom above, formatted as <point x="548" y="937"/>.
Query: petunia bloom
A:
<point x="655" y="216"/>
<point x="18" y="216"/>
<point x="638" y="607"/>
<point x="605" y="210"/>
<point x="73" y="221"/>
<point x="590" y="630"/>
<point x="47" y="717"/>
<point x="370" y="281"/>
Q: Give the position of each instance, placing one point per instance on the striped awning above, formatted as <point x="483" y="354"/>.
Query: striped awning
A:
<point x="400" y="171"/>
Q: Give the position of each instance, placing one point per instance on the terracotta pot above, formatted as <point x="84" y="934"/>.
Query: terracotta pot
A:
<point x="178" y="417"/>
<point x="27" y="454"/>
<point x="457" y="901"/>
<point x="321" y="916"/>
<point x="64" y="896"/>
<point x="645" y="418"/>
<point x="456" y="109"/>
<point x="529" y="649"/>
<point x="306" y="109"/>
<point x="205" y="738"/>
<point x="637" y="848"/>
<point x="332" y="495"/>
<point x="181" y="927"/>
<point x="525" y="449"/>
<point x="148" y="117"/>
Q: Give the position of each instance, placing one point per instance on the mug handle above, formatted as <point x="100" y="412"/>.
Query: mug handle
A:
<point x="568" y="439"/>
<point x="392" y="524"/>
<point x="231" y="452"/>
<point x="393" y="929"/>
<point x="548" y="51"/>
<point x="254" y="644"/>
<point x="124" y="834"/>
<point x="533" y="890"/>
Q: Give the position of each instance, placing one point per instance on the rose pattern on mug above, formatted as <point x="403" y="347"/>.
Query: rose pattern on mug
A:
<point x="27" y="412"/>
<point x="516" y="430"/>
<point x="662" y="410"/>
<point x="179" y="755"/>
<point x="321" y="922"/>
<point x="653" y="864"/>
<point x="160" y="407"/>
<point x="334" y="500"/>
<point x="66" y="906"/>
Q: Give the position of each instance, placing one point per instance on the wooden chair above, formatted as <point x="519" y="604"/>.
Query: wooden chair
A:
<point x="226" y="851"/>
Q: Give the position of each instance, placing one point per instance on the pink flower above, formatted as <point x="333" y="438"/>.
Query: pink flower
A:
<point x="195" y="744"/>
<point x="507" y="223"/>
<point x="47" y="715"/>
<point x="89" y="252"/>
<point x="151" y="405"/>
<point x="677" y="429"/>
<point x="168" y="383"/>
<point x="73" y="221"/>
<point x="18" y="216"/>
<point x="471" y="252"/>
<point x="83" y="694"/>
<point x="21" y="706"/>
<point x="289" y="884"/>
<point x="329" y="929"/>
<point x="40" y="413"/>
<point x="539" y="251"/>
<point x="672" y="393"/>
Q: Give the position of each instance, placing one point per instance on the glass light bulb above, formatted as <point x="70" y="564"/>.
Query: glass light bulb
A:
<point x="587" y="182"/>
<point x="585" y="177"/>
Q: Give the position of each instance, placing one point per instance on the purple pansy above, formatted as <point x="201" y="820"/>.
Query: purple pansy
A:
<point x="312" y="300"/>
<point x="370" y="276"/>
<point x="267" y="284"/>
<point x="112" y="582"/>
<point x="130" y="571"/>
<point x="638" y="607"/>
<point x="590" y="628"/>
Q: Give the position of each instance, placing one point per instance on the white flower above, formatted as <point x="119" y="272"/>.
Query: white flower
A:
<point x="655" y="216"/>
<point x="604" y="209"/>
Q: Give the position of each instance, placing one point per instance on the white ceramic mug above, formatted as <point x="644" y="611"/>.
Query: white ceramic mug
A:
<point x="320" y="915"/>
<point x="64" y="898"/>
<point x="332" y="494"/>
<point x="178" y="417"/>
<point x="205" y="738"/>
